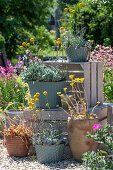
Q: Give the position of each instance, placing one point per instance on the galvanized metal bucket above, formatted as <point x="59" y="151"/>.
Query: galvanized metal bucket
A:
<point x="77" y="54"/>
<point x="49" y="154"/>
<point x="51" y="87"/>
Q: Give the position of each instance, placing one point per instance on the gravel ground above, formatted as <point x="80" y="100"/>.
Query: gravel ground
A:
<point x="30" y="163"/>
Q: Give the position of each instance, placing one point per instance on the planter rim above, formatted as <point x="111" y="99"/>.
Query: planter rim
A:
<point x="45" y="81"/>
<point x="82" y="119"/>
<point x="48" y="145"/>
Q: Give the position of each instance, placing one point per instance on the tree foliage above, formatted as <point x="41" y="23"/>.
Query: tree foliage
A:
<point x="16" y="15"/>
<point x="98" y="16"/>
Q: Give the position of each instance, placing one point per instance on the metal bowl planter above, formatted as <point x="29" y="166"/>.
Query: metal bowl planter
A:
<point x="77" y="54"/>
<point x="51" y="87"/>
<point x="49" y="153"/>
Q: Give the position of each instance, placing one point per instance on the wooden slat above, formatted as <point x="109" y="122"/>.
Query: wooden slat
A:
<point x="93" y="84"/>
<point x="100" y="82"/>
<point x="110" y="116"/>
<point x="87" y="81"/>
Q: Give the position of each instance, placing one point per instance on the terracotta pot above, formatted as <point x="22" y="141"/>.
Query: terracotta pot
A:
<point x="16" y="146"/>
<point x="77" y="130"/>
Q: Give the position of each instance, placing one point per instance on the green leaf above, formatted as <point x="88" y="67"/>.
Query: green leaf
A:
<point x="104" y="152"/>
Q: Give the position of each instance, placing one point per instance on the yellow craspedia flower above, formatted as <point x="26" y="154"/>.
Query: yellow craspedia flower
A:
<point x="29" y="103"/>
<point x="0" y="110"/>
<point x="33" y="157"/>
<point x="47" y="104"/>
<point x="62" y="95"/>
<point x="62" y="29"/>
<point x="73" y="81"/>
<point x="71" y="84"/>
<point x="77" y="79"/>
<point x="65" y="89"/>
<point x="14" y="118"/>
<point x="59" y="39"/>
<point x="55" y="41"/>
<point x="71" y="76"/>
<point x="73" y="11"/>
<point x="37" y="111"/>
<point x="37" y="100"/>
<point x="31" y="39"/>
<point x="28" y="44"/>
<point x="33" y="105"/>
<point x="62" y="46"/>
<point x="34" y="115"/>
<point x="58" y="93"/>
<point x="21" y="47"/>
<point x="37" y="94"/>
<point x="65" y="9"/>
<point x="32" y="100"/>
<point x="24" y="44"/>
<point x="98" y="102"/>
<point x="70" y="10"/>
<point x="81" y="4"/>
<point x="42" y="110"/>
<point x="81" y="80"/>
<point x="45" y="93"/>
<point x="29" y="107"/>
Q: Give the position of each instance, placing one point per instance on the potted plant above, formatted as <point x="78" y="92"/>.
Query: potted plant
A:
<point x="48" y="143"/>
<point x="79" y="122"/>
<point x="102" y="159"/>
<point x="17" y="137"/>
<point x="72" y="35"/>
<point x="40" y="78"/>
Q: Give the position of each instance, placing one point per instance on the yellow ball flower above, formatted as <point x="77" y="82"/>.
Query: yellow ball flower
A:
<point x="81" y="4"/>
<point x="73" y="11"/>
<point x="55" y="41"/>
<point x="32" y="100"/>
<point x="29" y="103"/>
<point x="31" y="39"/>
<point x="28" y="44"/>
<point x="70" y="10"/>
<point x="65" y="9"/>
<point x="37" y="111"/>
<point x="62" y="95"/>
<point x="98" y="102"/>
<point x="62" y="46"/>
<point x="81" y="80"/>
<point x="58" y="93"/>
<point x="21" y="47"/>
<point x="14" y="118"/>
<point x="71" y="76"/>
<point x="42" y="110"/>
<point x="62" y="29"/>
<point x="37" y="100"/>
<point x="37" y="94"/>
<point x="45" y="93"/>
<point x="71" y="84"/>
<point x="33" y="105"/>
<point x="24" y="44"/>
<point x="47" y="104"/>
<point x="65" y="89"/>
<point x="77" y="79"/>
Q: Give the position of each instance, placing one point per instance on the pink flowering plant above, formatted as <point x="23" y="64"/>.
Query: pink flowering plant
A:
<point x="101" y="159"/>
<point x="105" y="54"/>
<point x="12" y="89"/>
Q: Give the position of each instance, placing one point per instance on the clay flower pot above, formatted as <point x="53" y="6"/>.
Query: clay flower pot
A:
<point x="17" y="146"/>
<point x="77" y="130"/>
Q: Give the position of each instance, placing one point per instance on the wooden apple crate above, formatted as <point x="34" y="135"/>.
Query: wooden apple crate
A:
<point x="92" y="73"/>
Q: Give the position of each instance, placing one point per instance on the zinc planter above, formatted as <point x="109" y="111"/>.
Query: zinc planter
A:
<point x="77" y="130"/>
<point x="51" y="87"/>
<point x="77" y="54"/>
<point x="17" y="146"/>
<point x="49" y="154"/>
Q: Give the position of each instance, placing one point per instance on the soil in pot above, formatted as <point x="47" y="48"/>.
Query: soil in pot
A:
<point x="77" y="130"/>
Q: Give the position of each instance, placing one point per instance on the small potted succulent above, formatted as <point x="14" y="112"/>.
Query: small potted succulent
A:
<point x="17" y="137"/>
<point x="48" y="143"/>
<point x="79" y="122"/>
<point x="40" y="78"/>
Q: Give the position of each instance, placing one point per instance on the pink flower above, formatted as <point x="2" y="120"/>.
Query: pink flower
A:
<point x="96" y="126"/>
